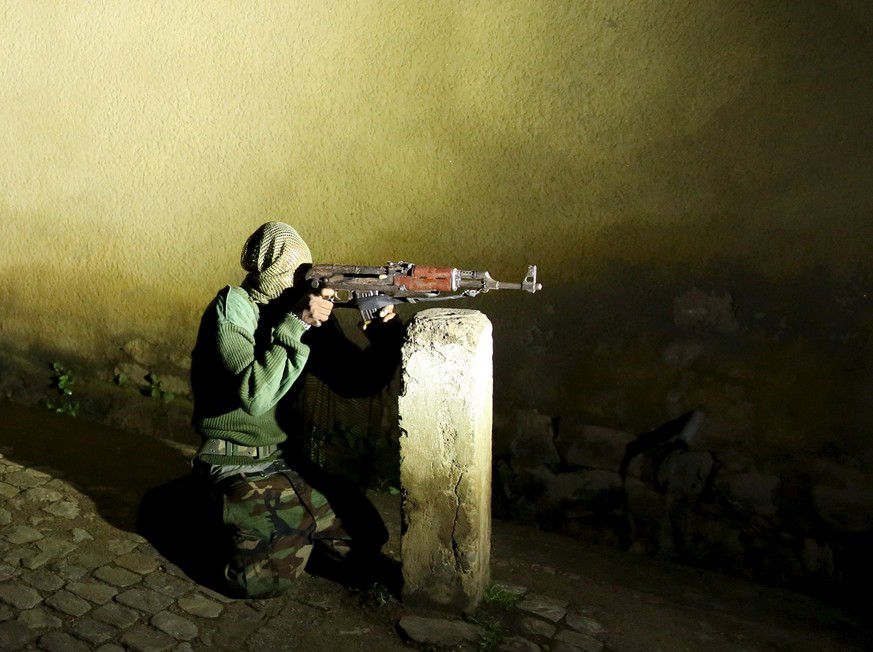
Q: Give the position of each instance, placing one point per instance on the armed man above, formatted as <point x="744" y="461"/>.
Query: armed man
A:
<point x="256" y="343"/>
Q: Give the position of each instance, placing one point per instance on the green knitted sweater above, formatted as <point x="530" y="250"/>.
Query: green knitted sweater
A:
<point x="249" y="357"/>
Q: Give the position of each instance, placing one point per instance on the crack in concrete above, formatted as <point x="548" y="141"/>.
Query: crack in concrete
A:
<point x="460" y="564"/>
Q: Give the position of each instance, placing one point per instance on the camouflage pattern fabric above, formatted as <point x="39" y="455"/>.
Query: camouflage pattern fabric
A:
<point x="275" y="522"/>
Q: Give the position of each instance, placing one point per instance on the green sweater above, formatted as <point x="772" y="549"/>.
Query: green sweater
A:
<point x="250" y="356"/>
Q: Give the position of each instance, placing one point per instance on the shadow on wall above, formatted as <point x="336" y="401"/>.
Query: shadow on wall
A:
<point x="779" y="365"/>
<point x="777" y="486"/>
<point x="113" y="467"/>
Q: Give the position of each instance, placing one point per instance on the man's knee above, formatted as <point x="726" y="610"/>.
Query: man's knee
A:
<point x="263" y="569"/>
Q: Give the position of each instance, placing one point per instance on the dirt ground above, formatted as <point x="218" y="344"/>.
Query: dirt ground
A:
<point x="639" y="604"/>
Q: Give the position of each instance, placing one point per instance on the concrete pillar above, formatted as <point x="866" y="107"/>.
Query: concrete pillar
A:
<point x="445" y="408"/>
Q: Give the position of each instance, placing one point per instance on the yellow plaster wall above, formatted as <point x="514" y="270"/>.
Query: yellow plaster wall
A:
<point x="140" y="143"/>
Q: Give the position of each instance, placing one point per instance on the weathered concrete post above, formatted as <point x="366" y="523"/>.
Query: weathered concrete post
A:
<point x="445" y="407"/>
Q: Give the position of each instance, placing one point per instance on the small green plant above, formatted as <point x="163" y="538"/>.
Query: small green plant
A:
<point x="378" y="594"/>
<point x="386" y="486"/>
<point x="155" y="389"/>
<point x="497" y="596"/>
<point x="62" y="381"/>
<point x="120" y="379"/>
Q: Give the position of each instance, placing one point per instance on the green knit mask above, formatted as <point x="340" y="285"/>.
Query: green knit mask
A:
<point x="271" y="255"/>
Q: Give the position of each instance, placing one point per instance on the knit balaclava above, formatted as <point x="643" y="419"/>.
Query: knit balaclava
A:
<point x="271" y="255"/>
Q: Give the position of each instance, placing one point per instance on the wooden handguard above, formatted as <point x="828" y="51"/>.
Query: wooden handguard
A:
<point x="424" y="278"/>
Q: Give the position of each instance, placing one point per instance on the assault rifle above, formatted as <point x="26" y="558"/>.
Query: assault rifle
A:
<point x="369" y="289"/>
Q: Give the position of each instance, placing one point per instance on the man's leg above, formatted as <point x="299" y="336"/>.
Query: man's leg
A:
<point x="271" y="531"/>
<point x="349" y="534"/>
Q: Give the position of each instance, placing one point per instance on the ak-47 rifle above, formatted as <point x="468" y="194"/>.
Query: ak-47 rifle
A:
<point x="372" y="288"/>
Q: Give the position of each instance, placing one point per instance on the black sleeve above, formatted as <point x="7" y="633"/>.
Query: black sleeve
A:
<point x="348" y="369"/>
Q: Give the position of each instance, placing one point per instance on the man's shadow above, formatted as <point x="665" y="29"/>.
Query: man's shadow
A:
<point x="179" y="519"/>
<point x="137" y="483"/>
<point x="141" y="484"/>
<point x="115" y="468"/>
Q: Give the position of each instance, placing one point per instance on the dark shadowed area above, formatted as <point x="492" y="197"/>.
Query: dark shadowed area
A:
<point x="626" y="601"/>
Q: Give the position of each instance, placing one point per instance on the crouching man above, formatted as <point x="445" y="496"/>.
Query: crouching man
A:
<point x="256" y="343"/>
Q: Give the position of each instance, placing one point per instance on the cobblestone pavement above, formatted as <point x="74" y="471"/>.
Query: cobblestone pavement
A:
<point x="76" y="576"/>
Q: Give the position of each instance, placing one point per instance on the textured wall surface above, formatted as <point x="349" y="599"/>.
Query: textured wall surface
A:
<point x="692" y="178"/>
<point x="140" y="145"/>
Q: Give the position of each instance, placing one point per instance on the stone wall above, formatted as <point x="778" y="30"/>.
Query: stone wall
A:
<point x="803" y="520"/>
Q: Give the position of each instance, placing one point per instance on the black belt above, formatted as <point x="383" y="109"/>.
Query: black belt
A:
<point x="278" y="467"/>
<point x="231" y="449"/>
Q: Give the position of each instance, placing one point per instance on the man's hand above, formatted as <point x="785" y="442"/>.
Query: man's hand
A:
<point x="314" y="309"/>
<point x="387" y="313"/>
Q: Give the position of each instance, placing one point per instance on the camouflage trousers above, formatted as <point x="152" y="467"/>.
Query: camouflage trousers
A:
<point x="276" y="521"/>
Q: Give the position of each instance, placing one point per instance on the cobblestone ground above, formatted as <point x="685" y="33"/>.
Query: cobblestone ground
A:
<point x="69" y="581"/>
<point x="75" y="576"/>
